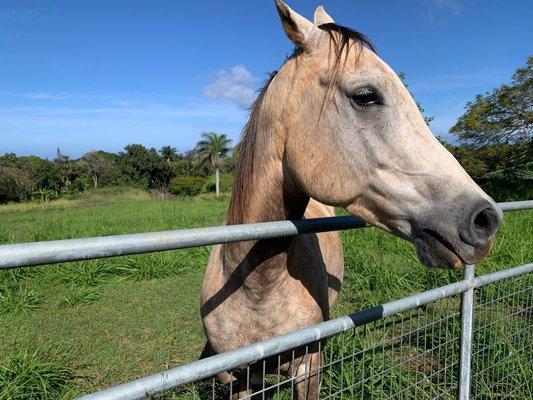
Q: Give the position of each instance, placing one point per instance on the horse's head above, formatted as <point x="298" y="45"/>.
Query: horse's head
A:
<point x="353" y="137"/>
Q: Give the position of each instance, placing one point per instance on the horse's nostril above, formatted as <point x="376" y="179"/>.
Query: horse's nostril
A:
<point x="482" y="220"/>
<point x="481" y="224"/>
<point x="486" y="223"/>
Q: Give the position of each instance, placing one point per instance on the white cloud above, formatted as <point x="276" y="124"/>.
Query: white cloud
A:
<point x="235" y="85"/>
<point x="436" y="9"/>
<point x="44" y="96"/>
<point x="17" y="14"/>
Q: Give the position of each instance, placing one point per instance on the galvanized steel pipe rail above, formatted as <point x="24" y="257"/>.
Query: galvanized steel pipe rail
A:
<point x="467" y="316"/>
<point x="58" y="251"/>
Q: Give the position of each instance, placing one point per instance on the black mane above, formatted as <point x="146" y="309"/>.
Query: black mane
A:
<point x="348" y="36"/>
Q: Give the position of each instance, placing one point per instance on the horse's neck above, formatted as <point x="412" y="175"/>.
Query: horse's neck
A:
<point x="269" y="198"/>
<point x="260" y="267"/>
<point x="264" y="191"/>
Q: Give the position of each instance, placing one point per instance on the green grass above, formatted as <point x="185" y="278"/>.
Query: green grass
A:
<point x="36" y="375"/>
<point x="17" y="299"/>
<point x="121" y="318"/>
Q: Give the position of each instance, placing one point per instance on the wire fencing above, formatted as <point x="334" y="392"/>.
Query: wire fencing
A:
<point x="417" y="347"/>
<point x="502" y="347"/>
<point x="469" y="339"/>
<point x="413" y="354"/>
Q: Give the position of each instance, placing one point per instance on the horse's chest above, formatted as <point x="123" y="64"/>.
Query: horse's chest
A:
<point x="260" y="300"/>
<point x="241" y="321"/>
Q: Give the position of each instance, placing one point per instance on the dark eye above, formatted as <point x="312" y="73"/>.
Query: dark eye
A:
<point x="366" y="97"/>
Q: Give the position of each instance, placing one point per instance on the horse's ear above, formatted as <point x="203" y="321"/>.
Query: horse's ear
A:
<point x="300" y="31"/>
<point x="322" y="17"/>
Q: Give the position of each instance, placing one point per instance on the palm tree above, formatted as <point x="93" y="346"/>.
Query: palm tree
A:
<point x="211" y="150"/>
<point x="169" y="153"/>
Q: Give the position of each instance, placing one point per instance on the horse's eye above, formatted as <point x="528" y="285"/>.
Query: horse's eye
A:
<point x="366" y="97"/>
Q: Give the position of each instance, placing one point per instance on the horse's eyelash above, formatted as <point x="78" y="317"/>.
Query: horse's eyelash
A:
<point x="366" y="92"/>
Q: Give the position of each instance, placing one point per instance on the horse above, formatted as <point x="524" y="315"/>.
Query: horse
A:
<point x="334" y="127"/>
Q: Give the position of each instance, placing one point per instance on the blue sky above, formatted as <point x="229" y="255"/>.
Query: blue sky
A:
<point x="86" y="75"/>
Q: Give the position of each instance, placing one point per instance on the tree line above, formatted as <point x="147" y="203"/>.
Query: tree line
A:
<point x="34" y="178"/>
<point x="494" y="144"/>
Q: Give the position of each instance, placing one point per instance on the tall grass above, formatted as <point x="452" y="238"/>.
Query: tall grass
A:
<point x="37" y="375"/>
<point x="81" y="295"/>
<point x="17" y="299"/>
<point x="16" y="295"/>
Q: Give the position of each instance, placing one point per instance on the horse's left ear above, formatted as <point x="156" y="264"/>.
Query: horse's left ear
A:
<point x="300" y="30"/>
<point x="322" y="17"/>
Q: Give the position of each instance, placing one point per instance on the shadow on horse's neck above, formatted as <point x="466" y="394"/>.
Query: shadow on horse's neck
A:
<point x="270" y="196"/>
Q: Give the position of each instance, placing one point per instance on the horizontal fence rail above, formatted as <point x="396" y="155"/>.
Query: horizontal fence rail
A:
<point x="58" y="251"/>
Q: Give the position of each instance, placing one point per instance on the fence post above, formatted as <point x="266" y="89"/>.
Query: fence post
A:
<point x="467" y="309"/>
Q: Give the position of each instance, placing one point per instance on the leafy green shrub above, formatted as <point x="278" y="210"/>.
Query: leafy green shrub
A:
<point x="226" y="182"/>
<point x="502" y="189"/>
<point x="38" y="375"/>
<point x="186" y="185"/>
<point x="44" y="195"/>
<point x="82" y="184"/>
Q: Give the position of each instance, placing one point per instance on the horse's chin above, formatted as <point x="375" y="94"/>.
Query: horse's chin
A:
<point x="433" y="253"/>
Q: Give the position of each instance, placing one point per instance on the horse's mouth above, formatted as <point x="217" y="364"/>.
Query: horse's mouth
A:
<point x="436" y="251"/>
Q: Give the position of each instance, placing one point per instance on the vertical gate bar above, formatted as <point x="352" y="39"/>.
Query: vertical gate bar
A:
<point x="467" y="309"/>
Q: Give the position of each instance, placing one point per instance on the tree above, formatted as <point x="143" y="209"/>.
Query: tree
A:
<point x="427" y="118"/>
<point x="66" y="169"/>
<point x="211" y="151"/>
<point x="42" y="172"/>
<point x="8" y="186"/>
<point x="26" y="175"/>
<point x="169" y="153"/>
<point x="230" y="163"/>
<point x="145" y="167"/>
<point x="96" y="164"/>
<point x="67" y="172"/>
<point x="16" y="184"/>
<point x="503" y="117"/>
<point x="60" y="157"/>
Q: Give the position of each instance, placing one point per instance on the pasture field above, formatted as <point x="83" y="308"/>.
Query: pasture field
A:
<point x="74" y="328"/>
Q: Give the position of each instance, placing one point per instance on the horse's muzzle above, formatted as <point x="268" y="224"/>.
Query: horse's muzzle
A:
<point x="462" y="235"/>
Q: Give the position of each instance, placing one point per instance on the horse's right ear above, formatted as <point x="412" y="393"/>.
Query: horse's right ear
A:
<point x="322" y="17"/>
<point x="300" y="31"/>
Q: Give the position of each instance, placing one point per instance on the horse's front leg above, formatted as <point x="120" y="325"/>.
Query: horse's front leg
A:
<point x="308" y="376"/>
<point x="242" y="394"/>
<point x="243" y="384"/>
